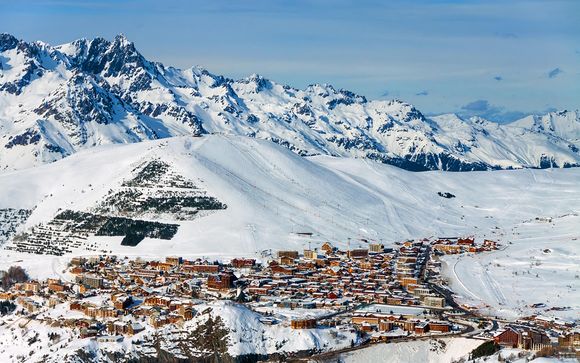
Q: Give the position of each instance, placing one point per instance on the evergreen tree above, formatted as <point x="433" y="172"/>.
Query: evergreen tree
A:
<point x="208" y="340"/>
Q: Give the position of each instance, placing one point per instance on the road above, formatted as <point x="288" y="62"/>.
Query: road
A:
<point x="332" y="315"/>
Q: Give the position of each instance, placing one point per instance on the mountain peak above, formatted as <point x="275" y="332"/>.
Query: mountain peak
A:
<point x="121" y="43"/>
<point x="122" y="39"/>
<point x="258" y="82"/>
<point x="100" y="91"/>
<point x="566" y="113"/>
<point x="7" y="41"/>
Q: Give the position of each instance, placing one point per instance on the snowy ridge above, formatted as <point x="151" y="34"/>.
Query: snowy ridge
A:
<point x="55" y="101"/>
<point x="563" y="124"/>
<point x="272" y="194"/>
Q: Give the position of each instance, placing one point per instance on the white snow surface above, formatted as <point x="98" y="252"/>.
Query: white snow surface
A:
<point x="444" y="350"/>
<point x="272" y="194"/>
<point x="428" y="351"/>
<point x="541" y="265"/>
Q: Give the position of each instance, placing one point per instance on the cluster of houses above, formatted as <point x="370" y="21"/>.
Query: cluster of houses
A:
<point x="387" y="326"/>
<point x="110" y="296"/>
<point x="330" y="277"/>
<point x="565" y="341"/>
<point x="455" y="245"/>
<point x="113" y="295"/>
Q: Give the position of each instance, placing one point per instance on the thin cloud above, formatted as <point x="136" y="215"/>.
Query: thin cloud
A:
<point x="477" y="106"/>
<point x="555" y="73"/>
<point x="385" y="94"/>
<point x="488" y="111"/>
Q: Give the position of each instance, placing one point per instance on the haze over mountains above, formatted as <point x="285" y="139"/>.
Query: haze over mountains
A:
<point x="56" y="100"/>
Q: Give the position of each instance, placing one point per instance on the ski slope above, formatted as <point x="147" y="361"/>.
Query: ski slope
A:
<point x="540" y="265"/>
<point x="273" y="194"/>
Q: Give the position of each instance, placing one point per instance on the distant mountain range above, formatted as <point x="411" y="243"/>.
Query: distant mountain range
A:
<point x="56" y="100"/>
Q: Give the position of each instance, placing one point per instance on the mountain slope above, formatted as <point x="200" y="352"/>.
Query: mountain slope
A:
<point x="263" y="196"/>
<point x="55" y="101"/>
<point x="562" y="124"/>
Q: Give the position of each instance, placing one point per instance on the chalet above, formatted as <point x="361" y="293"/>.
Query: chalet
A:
<point x="406" y="325"/>
<point x="28" y="304"/>
<point x="289" y="254"/>
<point x="32" y="286"/>
<point x="394" y="300"/>
<point x="141" y="291"/>
<point x="422" y="328"/>
<point x="186" y="311"/>
<point x="174" y="261"/>
<point x="286" y="260"/>
<point x="405" y="281"/>
<point x="441" y="327"/>
<point x="419" y="291"/>
<point x="122" y="302"/>
<point x="155" y="300"/>
<point x="91" y="281"/>
<point x="163" y="266"/>
<point x="87" y="332"/>
<point x="492" y="245"/>
<point x="303" y="324"/>
<point x="243" y="262"/>
<point x="221" y="281"/>
<point x="134" y="328"/>
<point x="310" y="254"/>
<point x="571" y="340"/>
<point x="116" y="327"/>
<point x="358" y="253"/>
<point x="385" y="325"/>
<point x="77" y="261"/>
<point x="327" y="248"/>
<point x="277" y="269"/>
<point x="365" y="319"/>
<point x="434" y="301"/>
<point x="56" y="287"/>
<point x="75" y="305"/>
<point x="202" y="268"/>
<point x="7" y="295"/>
<point x="157" y="321"/>
<point x="448" y="249"/>
<point x="507" y="337"/>
<point x="465" y="241"/>
<point x="533" y="339"/>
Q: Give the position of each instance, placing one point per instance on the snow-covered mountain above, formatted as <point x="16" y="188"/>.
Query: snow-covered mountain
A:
<point x="563" y="124"/>
<point x="252" y="195"/>
<point x="56" y="100"/>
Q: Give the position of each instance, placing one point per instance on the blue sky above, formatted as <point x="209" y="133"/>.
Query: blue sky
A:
<point x="492" y="58"/>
